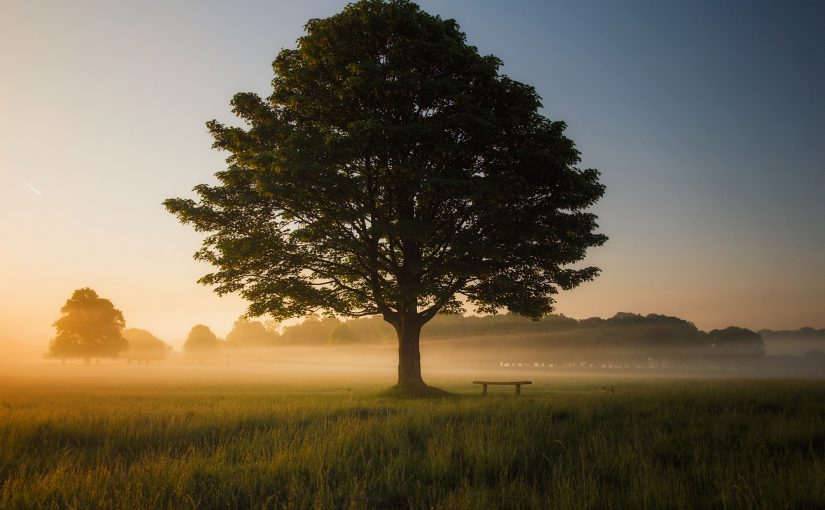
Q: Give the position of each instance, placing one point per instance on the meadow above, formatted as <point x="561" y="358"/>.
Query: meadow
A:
<point x="565" y="443"/>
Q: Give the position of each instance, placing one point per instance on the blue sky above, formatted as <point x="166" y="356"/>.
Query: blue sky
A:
<point x="707" y="120"/>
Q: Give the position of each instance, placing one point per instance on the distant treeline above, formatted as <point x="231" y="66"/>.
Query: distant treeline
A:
<point x="809" y="342"/>
<point x="795" y="334"/>
<point x="91" y="327"/>
<point x="623" y="335"/>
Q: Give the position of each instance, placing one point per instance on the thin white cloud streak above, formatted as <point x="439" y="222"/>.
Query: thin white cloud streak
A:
<point x="28" y="185"/>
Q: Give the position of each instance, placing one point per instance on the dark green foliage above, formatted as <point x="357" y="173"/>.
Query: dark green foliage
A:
<point x="391" y="169"/>
<point x="90" y="327"/>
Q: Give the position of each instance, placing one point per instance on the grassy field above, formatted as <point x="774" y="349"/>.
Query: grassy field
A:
<point x="563" y="444"/>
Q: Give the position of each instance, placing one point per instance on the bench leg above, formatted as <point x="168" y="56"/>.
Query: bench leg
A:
<point x="484" y="389"/>
<point x="518" y="389"/>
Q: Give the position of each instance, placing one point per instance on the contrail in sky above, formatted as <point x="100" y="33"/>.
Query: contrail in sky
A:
<point x="31" y="187"/>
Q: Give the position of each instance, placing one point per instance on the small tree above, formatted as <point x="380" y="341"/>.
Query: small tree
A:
<point x="144" y="346"/>
<point x="395" y="172"/>
<point x="90" y="327"/>
<point x="200" y="342"/>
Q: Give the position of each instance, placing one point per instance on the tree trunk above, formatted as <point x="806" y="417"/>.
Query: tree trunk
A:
<point x="409" y="355"/>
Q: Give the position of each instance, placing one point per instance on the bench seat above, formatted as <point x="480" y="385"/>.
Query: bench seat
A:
<point x="517" y="384"/>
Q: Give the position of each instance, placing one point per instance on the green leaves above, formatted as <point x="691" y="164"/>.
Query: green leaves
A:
<point x="393" y="170"/>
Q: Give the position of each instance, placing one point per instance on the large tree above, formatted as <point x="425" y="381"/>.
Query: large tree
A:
<point x="395" y="171"/>
<point x="89" y="327"/>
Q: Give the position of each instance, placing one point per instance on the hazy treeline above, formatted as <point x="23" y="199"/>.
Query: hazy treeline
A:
<point x="91" y="327"/>
<point x="626" y="340"/>
<point x="313" y="331"/>
<point x="138" y="345"/>
<point x="623" y="335"/>
<point x="653" y="333"/>
<point x="809" y="342"/>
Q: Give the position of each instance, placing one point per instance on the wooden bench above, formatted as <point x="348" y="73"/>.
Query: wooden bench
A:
<point x="517" y="384"/>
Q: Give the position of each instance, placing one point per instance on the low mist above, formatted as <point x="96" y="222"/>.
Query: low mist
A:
<point x="327" y="351"/>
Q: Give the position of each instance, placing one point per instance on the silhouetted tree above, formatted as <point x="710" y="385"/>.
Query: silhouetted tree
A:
<point x="144" y="346"/>
<point x="90" y="327"/>
<point x="733" y="341"/>
<point x="392" y="170"/>
<point x="200" y="342"/>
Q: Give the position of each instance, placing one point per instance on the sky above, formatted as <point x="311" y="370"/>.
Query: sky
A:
<point x="706" y="119"/>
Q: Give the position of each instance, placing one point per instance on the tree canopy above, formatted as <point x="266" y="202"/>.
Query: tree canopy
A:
<point x="395" y="171"/>
<point x="201" y="340"/>
<point x="89" y="327"/>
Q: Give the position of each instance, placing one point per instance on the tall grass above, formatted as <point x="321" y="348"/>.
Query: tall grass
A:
<point x="676" y="444"/>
